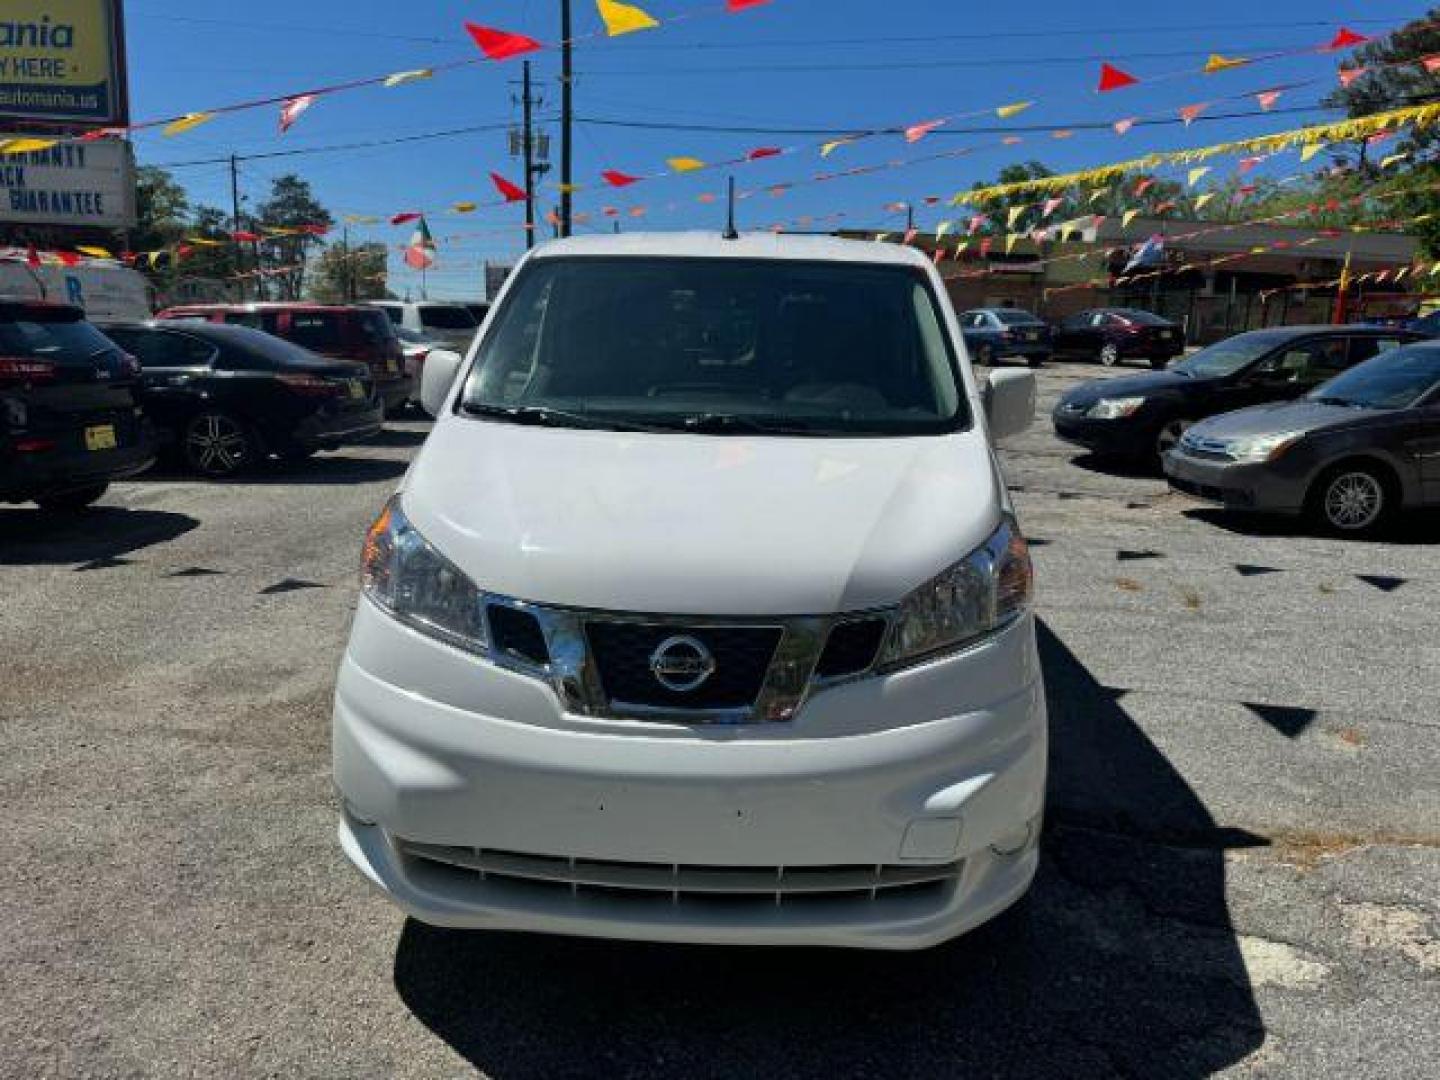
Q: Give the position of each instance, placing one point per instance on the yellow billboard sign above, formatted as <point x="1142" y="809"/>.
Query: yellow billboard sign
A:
<point x="62" y="61"/>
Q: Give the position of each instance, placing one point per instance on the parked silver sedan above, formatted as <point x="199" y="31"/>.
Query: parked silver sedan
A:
<point x="1350" y="453"/>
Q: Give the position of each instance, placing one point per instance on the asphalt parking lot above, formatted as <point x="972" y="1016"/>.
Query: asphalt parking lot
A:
<point x="1242" y="857"/>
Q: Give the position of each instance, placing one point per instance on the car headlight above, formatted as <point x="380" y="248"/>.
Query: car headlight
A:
<point x="1261" y="448"/>
<point x="985" y="591"/>
<point x="1114" y="408"/>
<point x="407" y="577"/>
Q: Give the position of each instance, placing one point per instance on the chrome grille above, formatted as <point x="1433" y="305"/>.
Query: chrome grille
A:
<point x="1202" y="447"/>
<point x="680" y="881"/>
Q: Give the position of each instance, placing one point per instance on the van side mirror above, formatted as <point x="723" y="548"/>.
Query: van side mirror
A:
<point x="436" y="378"/>
<point x="1009" y="402"/>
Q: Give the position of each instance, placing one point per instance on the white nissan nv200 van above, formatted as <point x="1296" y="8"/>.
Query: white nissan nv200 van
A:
<point x="702" y="614"/>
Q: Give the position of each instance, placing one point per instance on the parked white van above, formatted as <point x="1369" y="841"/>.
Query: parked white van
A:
<point x="702" y="614"/>
<point x="106" y="291"/>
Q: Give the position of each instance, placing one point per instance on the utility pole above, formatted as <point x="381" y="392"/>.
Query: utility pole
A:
<point x="567" y="78"/>
<point x="235" y="222"/>
<point x="529" y="162"/>
<point x="348" y="265"/>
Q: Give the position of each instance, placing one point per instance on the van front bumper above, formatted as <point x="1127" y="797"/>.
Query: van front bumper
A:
<point x="893" y="812"/>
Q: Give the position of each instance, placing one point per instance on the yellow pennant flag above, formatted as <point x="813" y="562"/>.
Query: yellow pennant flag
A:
<point x="1010" y="242"/>
<point x="1097" y="195"/>
<point x="360" y="219"/>
<point x="1393" y="159"/>
<point x="1309" y="150"/>
<point x="1196" y="174"/>
<point x="94" y="252"/>
<point x="1223" y="63"/>
<point x="567" y="189"/>
<point x="623" y="18"/>
<point x="834" y="144"/>
<point x="25" y="146"/>
<point x="1127" y="217"/>
<point x="402" y="77"/>
<point x="1201" y="200"/>
<point x="960" y="247"/>
<point x="1435" y="269"/>
<point x="188" y="122"/>
<point x="1014" y="215"/>
<point x="464" y="207"/>
<point x="941" y="230"/>
<point x="203" y="241"/>
<point x="684" y="164"/>
<point x="1005" y="112"/>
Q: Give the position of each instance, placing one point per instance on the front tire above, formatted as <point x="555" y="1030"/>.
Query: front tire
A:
<point x="1169" y="435"/>
<point x="1036" y="361"/>
<point x="69" y="502"/>
<point x="1110" y="355"/>
<point x="218" y="445"/>
<point x="1353" y="500"/>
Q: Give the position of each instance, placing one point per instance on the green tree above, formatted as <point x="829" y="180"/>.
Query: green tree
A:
<point x="223" y="261"/>
<point x="339" y="276"/>
<point x="292" y="207"/>
<point x="162" y="209"/>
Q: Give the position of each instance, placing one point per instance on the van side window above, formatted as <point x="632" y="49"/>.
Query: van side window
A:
<point x="315" y="330"/>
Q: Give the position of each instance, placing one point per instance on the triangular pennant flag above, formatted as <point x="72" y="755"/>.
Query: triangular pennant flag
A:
<point x="763" y="152"/>
<point x="405" y="217"/>
<point x="1012" y="140"/>
<point x="939" y="254"/>
<point x="1063" y="133"/>
<point x="1127" y="217"/>
<point x="684" y="164"/>
<point x="915" y="132"/>
<point x="27" y="146"/>
<point x="1190" y="112"/>
<point x="360" y="219"/>
<point x="1123" y="126"/>
<point x="510" y="192"/>
<point x="1267" y="99"/>
<point x="615" y="178"/>
<point x="1010" y="242"/>
<point x="941" y="230"/>
<point x="1014" y="216"/>
<point x="1112" y="78"/>
<point x="1051" y="205"/>
<point x="1097" y="195"/>
<point x="741" y="5"/>
<point x="1349" y="75"/>
<point x="464" y="207"/>
<point x="500" y="44"/>
<point x="624" y="18"/>
<point x="1431" y="63"/>
<point x="187" y="122"/>
<point x="1201" y="200"/>
<point x="240" y="236"/>
<point x="94" y="252"/>
<point x="985" y="245"/>
<point x="1144" y="184"/>
<point x="399" y="78"/>
<point x="1345" y="39"/>
<point x="1392" y="159"/>
<point x="910" y="234"/>
<point x="291" y="110"/>
<point x="1223" y="63"/>
<point x="1309" y="150"/>
<point x="1005" y="112"/>
<point x="976" y="222"/>
<point x="1196" y="174"/>
<point x="1248" y="163"/>
<point x="834" y="144"/>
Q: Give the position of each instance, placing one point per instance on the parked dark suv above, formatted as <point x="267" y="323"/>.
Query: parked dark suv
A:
<point x="69" y="423"/>
<point x="1143" y="416"/>
<point x="337" y="331"/>
<point x="1114" y="335"/>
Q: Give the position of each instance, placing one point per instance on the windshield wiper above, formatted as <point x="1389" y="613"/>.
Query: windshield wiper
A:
<point x="545" y="416"/>
<point x="722" y="423"/>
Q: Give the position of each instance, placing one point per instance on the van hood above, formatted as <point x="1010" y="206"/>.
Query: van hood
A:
<point x="688" y="524"/>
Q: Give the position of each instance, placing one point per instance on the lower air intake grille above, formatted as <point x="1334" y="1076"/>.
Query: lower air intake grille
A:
<point x="741" y="655"/>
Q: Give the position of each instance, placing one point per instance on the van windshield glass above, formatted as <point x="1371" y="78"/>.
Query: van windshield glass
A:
<point x="719" y="346"/>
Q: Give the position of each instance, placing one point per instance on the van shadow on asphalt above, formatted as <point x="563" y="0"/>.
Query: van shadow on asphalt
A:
<point x="322" y="469"/>
<point x="1122" y="961"/>
<point x="30" y="537"/>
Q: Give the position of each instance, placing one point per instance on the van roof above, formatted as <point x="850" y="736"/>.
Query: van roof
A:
<point x="756" y="245"/>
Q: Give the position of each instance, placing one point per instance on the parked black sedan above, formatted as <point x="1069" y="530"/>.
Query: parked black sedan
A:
<point x="68" y="418"/>
<point x="1113" y="335"/>
<point x="1349" y="453"/>
<point x="1143" y="416"/>
<point x="224" y="397"/>
<point x="993" y="334"/>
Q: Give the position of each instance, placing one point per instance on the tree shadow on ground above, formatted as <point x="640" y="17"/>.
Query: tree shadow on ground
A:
<point x="1122" y="962"/>
<point x="36" y="538"/>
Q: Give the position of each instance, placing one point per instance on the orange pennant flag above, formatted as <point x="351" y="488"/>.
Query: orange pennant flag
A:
<point x="1223" y="63"/>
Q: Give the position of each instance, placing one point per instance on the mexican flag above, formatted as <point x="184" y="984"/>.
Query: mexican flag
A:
<point x="420" y="254"/>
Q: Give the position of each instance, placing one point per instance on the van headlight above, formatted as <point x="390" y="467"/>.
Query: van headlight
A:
<point x="407" y="577"/>
<point x="982" y="593"/>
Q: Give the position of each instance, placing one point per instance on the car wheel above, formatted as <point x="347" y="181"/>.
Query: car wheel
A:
<point x="217" y="444"/>
<point x="1169" y="435"/>
<point x="1110" y="355"/>
<point x="1159" y="363"/>
<point x="1352" y="500"/>
<point x="1035" y="361"/>
<point x="67" y="502"/>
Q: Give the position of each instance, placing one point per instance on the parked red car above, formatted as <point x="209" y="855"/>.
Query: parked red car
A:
<point x="1113" y="335"/>
<point x="337" y="331"/>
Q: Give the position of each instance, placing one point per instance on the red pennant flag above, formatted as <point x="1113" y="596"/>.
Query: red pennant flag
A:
<point x="1349" y="75"/>
<point x="1268" y="99"/>
<point x="1123" y="126"/>
<point x="1246" y="164"/>
<point x="985" y="246"/>
<point x="763" y="152"/>
<point x="610" y="211"/>
<point x="618" y="179"/>
<point x="407" y="216"/>
<point x="741" y="5"/>
<point x="1144" y="185"/>
<point x="183" y="250"/>
<point x="291" y="110"/>
<point x="1112" y="78"/>
<point x="68" y="258"/>
<point x="500" y="44"/>
<point x="910" y="235"/>
<point x="509" y="191"/>
<point x="32" y="257"/>
<point x="242" y="237"/>
<point x="1345" y="39"/>
<point x="1432" y="63"/>
<point x="915" y="132"/>
<point x="1190" y="112"/>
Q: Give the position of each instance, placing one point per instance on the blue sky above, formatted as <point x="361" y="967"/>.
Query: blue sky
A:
<point x="793" y="63"/>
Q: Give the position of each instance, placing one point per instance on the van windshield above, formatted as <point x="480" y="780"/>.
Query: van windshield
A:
<point x="750" y="346"/>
